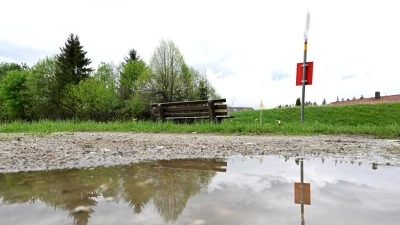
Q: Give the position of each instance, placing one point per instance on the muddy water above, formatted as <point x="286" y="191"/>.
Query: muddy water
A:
<point x="237" y="190"/>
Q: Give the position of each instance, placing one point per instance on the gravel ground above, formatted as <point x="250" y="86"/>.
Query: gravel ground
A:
<point x="28" y="152"/>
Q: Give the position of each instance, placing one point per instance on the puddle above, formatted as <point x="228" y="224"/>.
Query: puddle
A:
<point x="237" y="190"/>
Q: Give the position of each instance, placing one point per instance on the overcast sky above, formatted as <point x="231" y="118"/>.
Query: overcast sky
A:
<point x="248" y="48"/>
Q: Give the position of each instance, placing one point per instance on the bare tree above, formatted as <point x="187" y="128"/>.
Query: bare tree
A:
<point x="166" y="65"/>
<point x="233" y="101"/>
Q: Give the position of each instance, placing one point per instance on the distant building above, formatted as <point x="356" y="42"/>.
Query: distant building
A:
<point x="237" y="109"/>
<point x="377" y="99"/>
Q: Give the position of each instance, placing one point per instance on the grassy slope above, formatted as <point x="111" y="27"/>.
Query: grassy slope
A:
<point x="348" y="115"/>
<point x="382" y="120"/>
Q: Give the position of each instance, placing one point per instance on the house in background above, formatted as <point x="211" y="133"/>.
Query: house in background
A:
<point x="377" y="99"/>
<point x="237" y="109"/>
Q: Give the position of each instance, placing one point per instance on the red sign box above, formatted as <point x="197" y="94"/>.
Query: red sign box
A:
<point x="298" y="192"/>
<point x="309" y="73"/>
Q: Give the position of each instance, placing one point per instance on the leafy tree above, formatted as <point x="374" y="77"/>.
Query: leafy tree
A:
<point x="298" y="102"/>
<point x="137" y="106"/>
<point x="342" y="99"/>
<point x="354" y="98"/>
<point x="91" y="99"/>
<point x="362" y="97"/>
<point x="7" y="67"/>
<point x="315" y="103"/>
<point x="94" y="98"/>
<point x="129" y="76"/>
<point x="166" y="65"/>
<point x="186" y="88"/>
<point x="337" y="98"/>
<point x="108" y="74"/>
<point x="13" y="94"/>
<point x="194" y="85"/>
<point x="324" y="101"/>
<point x="40" y="84"/>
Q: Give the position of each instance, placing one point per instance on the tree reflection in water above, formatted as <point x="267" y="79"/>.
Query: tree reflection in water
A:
<point x="169" y="184"/>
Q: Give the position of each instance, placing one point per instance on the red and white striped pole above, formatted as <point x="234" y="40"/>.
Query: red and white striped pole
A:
<point x="303" y="94"/>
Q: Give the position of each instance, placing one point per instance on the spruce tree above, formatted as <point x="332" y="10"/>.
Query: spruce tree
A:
<point x="72" y="64"/>
<point x="132" y="56"/>
<point x="298" y="102"/>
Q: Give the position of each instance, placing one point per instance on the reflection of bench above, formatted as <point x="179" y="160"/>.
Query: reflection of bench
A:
<point x="214" y="110"/>
<point x="193" y="164"/>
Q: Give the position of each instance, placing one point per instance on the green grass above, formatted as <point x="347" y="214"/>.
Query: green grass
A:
<point x="381" y="120"/>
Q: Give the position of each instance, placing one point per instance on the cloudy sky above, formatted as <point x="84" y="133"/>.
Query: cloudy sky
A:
<point x="248" y="48"/>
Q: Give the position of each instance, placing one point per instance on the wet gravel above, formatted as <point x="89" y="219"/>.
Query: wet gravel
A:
<point x="30" y="152"/>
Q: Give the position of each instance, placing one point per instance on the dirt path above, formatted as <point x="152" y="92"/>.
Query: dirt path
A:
<point x="26" y="152"/>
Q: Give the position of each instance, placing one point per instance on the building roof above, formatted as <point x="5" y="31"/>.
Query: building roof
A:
<point x="388" y="98"/>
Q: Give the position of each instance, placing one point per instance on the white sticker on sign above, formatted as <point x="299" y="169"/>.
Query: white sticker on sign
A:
<point x="307" y="26"/>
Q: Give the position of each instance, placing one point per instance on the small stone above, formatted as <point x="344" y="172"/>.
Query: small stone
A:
<point x="109" y="199"/>
<point x="199" y="222"/>
<point x="82" y="208"/>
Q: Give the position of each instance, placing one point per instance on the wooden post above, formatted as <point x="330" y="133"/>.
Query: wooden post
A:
<point x="211" y="110"/>
<point x="160" y="112"/>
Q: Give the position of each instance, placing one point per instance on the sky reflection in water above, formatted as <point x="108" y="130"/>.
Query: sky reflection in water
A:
<point x="258" y="190"/>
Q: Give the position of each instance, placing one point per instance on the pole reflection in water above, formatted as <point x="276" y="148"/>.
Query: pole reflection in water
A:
<point x="302" y="194"/>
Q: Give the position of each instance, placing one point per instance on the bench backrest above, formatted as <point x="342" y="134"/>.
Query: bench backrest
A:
<point x="200" y="109"/>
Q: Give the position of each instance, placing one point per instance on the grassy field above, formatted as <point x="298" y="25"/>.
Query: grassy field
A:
<point x="381" y="120"/>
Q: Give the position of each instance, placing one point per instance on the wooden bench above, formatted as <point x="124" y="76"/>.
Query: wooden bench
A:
<point x="193" y="164"/>
<point x="215" y="110"/>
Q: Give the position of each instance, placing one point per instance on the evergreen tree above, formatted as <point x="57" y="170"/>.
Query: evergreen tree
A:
<point x="298" y="102"/>
<point x="324" y="101"/>
<point x="73" y="66"/>
<point x="202" y="91"/>
<point x="132" y="56"/>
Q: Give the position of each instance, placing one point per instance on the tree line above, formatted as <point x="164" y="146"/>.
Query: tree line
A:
<point x="64" y="86"/>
